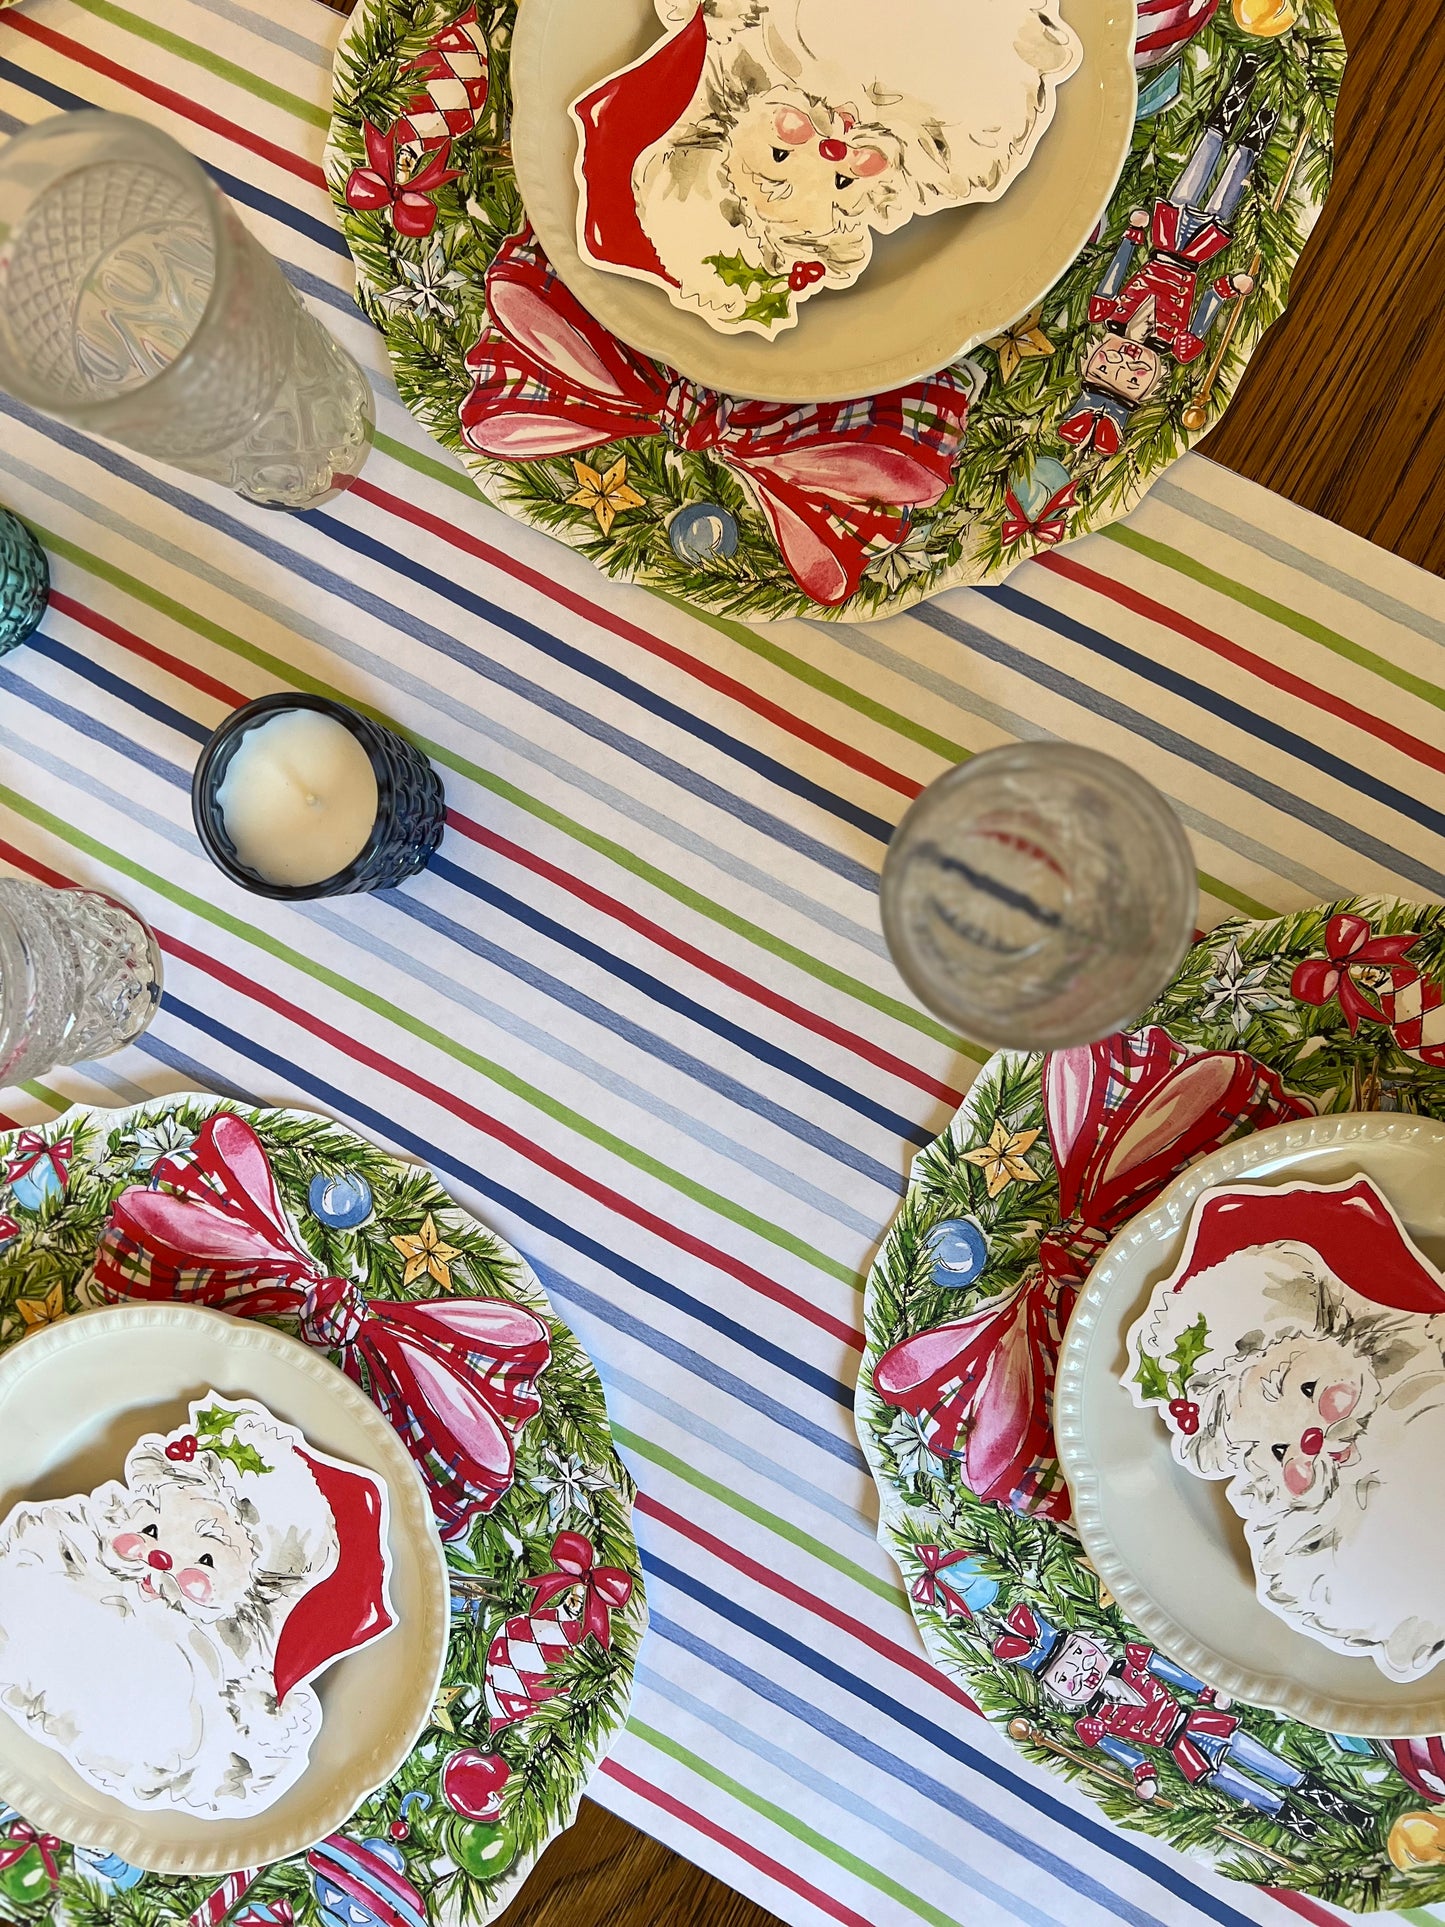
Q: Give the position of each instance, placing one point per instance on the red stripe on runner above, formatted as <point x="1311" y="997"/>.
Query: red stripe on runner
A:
<point x="1242" y="658"/>
<point x="479" y="1120"/>
<point x="618" y="626"/>
<point x="183" y="104"/>
<point x="888" y="1649"/>
<point x="744" y="1849"/>
<point x="724" y="973"/>
<point x="8" y="1123"/>
<point x="1307" y="1909"/>
<point x="147" y="651"/>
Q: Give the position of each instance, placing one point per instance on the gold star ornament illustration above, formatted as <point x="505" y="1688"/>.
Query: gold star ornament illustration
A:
<point x="605" y="496"/>
<point x="427" y="1251"/>
<point x="441" y="1712"/>
<point x="1024" y="341"/>
<point x="43" y="1310"/>
<point x="1002" y="1160"/>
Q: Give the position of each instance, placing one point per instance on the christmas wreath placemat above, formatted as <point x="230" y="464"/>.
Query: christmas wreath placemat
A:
<point x="1055" y="428"/>
<point x="1334" y="1009"/>
<point x="292" y="1218"/>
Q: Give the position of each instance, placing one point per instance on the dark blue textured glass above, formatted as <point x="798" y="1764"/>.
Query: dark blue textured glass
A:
<point x="24" y="582"/>
<point x="410" y="804"/>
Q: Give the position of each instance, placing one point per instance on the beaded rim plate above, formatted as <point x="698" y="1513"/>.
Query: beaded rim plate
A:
<point x="546" y="1592"/>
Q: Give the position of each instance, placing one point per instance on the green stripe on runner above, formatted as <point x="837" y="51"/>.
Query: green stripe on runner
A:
<point x="1331" y="639"/>
<point x="292" y="677"/>
<point x="43" y="1094"/>
<point x="1419" y="1916"/>
<point x="789" y="1823"/>
<point x="213" y="63"/>
<point x="746" y="638"/>
<point x="725" y="1495"/>
<point x="427" y="1034"/>
<point x="1249" y="906"/>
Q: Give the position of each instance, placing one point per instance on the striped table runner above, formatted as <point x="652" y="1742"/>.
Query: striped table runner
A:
<point x="639" y="1013"/>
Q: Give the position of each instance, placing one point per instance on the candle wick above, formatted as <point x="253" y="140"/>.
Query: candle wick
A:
<point x="311" y="800"/>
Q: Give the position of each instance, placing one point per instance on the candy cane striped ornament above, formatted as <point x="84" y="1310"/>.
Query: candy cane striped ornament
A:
<point x="1415" y="1011"/>
<point x="1165" y="26"/>
<point x="455" y="69"/>
<point x="518" y="1661"/>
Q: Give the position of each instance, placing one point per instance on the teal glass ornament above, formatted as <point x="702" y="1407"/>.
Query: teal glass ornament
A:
<point x="24" y="582"/>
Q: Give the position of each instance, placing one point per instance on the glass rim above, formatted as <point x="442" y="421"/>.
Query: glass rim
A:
<point x="1179" y="878"/>
<point x="182" y="163"/>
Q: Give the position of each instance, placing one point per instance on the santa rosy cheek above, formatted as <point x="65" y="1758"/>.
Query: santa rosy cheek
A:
<point x="195" y="1583"/>
<point x="1337" y="1402"/>
<point x="791" y="127"/>
<point x="1299" y="1476"/>
<point x="130" y="1545"/>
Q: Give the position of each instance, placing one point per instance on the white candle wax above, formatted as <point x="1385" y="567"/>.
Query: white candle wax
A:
<point x="298" y="798"/>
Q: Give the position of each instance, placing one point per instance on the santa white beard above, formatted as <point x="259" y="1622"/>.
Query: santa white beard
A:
<point x="144" y="1702"/>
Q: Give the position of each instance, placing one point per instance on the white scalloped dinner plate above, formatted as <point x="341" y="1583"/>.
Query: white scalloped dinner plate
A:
<point x="73" y="1397"/>
<point x="1167" y="1544"/>
<point x="933" y="291"/>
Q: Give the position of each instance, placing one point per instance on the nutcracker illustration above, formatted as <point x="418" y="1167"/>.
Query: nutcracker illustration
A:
<point x="1156" y="312"/>
<point x="1125" y="1704"/>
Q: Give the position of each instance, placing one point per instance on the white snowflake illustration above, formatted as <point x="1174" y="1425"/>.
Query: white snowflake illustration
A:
<point x="906" y="1441"/>
<point x="916" y="555"/>
<point x="428" y="285"/>
<point x="1237" y="992"/>
<point x="567" y="1484"/>
<point x="162" y="1139"/>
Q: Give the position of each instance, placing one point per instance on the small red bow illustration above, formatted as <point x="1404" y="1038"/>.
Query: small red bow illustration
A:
<point x="1022" y="1635"/>
<point x="22" y="1837"/>
<point x="929" y="1588"/>
<point x="31" y="1149"/>
<point x="1048" y="527"/>
<point x="603" y="1587"/>
<point x="376" y="186"/>
<point x="1350" y="946"/>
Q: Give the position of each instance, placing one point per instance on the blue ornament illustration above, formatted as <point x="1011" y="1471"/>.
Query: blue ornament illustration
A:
<point x="703" y="532"/>
<point x="363" y="1883"/>
<point x="107" y="1870"/>
<point x="343" y="1201"/>
<point x="975" y="1587"/>
<point x="959" y="1251"/>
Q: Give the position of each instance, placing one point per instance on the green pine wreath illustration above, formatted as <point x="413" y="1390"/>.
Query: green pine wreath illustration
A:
<point x="1333" y="1009"/>
<point x="428" y="202"/>
<point x="453" y="1835"/>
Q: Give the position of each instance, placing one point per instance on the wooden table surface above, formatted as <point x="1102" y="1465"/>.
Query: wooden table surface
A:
<point x="1342" y="410"/>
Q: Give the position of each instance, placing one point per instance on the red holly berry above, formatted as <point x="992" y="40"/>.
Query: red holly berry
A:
<point x="1185" y="1414"/>
<point x="400" y="1830"/>
<point x="181" y="1451"/>
<point x="804" y="274"/>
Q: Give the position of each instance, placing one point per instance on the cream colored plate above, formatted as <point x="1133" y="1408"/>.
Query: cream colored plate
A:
<point x="1167" y="1544"/>
<point x="933" y="291"/>
<point x="72" y="1398"/>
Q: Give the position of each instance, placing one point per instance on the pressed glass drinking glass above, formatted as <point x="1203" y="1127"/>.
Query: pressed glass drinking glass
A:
<point x="134" y="304"/>
<point x="80" y="976"/>
<point x="24" y="582"/>
<point x="1038" y="896"/>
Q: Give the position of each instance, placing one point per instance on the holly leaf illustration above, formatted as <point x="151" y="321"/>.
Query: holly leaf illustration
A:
<point x="1151" y="1378"/>
<point x="212" y="1426"/>
<point x="770" y="305"/>
<point x="734" y="272"/>
<point x="1189" y="1347"/>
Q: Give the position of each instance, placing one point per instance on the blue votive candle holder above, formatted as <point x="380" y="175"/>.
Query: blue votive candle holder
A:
<point x="410" y="804"/>
<point x="24" y="582"/>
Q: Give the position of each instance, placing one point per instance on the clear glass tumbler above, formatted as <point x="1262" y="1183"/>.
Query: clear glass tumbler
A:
<point x="80" y="976"/>
<point x="134" y="304"/>
<point x="1039" y="896"/>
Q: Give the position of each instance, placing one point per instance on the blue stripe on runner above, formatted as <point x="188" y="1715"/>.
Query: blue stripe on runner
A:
<point x="321" y="232"/>
<point x="798" y="1769"/>
<point x="1109" y="1840"/>
<point x="645" y="1281"/>
<point x="600" y="671"/>
<point x="1080" y="693"/>
<point x="1224" y="707"/>
<point x="89" y="670"/>
<point x="661" y="992"/>
<point x="695" y="1068"/>
<point x="668" y="828"/>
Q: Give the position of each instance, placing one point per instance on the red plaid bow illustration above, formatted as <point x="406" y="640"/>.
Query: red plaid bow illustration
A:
<point x="1124" y="1117"/>
<point x="836" y="481"/>
<point x="413" y="212"/>
<point x="604" y="1588"/>
<point x="454" y="1376"/>
<point x="31" y="1150"/>
<point x="931" y="1586"/>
